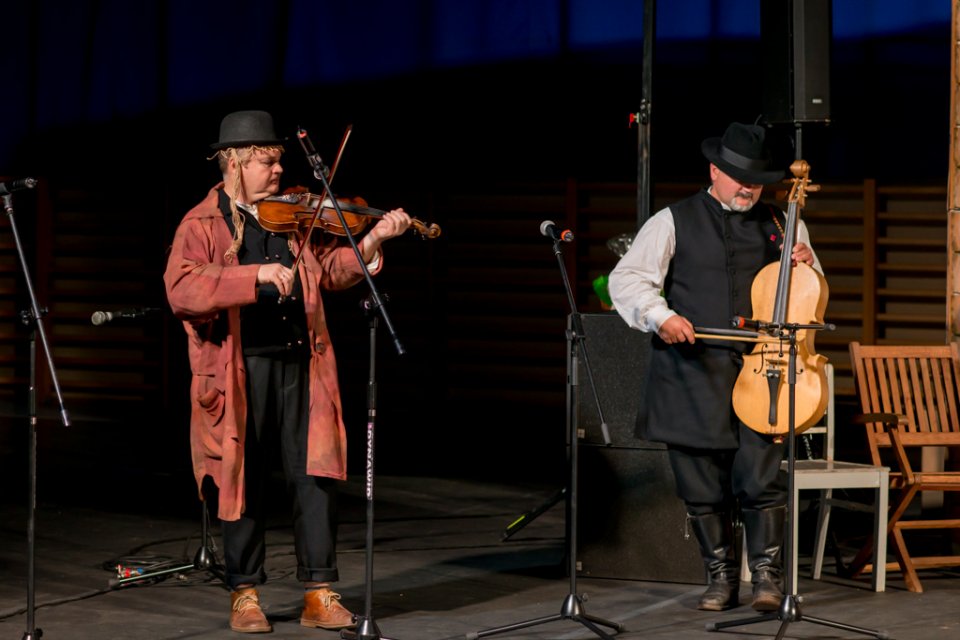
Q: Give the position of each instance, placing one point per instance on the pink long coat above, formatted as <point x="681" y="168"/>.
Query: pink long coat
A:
<point x="206" y="292"/>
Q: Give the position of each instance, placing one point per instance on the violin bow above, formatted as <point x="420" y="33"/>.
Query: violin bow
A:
<point x="323" y="195"/>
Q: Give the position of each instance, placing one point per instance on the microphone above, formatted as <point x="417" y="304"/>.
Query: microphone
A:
<point x="739" y="322"/>
<point x="102" y="317"/>
<point x="552" y="231"/>
<point x="17" y="185"/>
<point x="312" y="156"/>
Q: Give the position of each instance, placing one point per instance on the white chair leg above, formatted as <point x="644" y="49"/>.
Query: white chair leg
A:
<point x="745" y="574"/>
<point x="880" y="532"/>
<point x="823" y="525"/>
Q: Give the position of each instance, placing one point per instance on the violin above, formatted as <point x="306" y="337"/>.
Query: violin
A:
<point x="295" y="209"/>
<point x="785" y="294"/>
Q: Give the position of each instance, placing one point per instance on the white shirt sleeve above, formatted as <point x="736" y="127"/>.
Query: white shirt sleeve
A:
<point x="637" y="280"/>
<point x="803" y="236"/>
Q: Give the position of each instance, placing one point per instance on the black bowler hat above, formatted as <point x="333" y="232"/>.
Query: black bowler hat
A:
<point x="247" y="129"/>
<point x="742" y="154"/>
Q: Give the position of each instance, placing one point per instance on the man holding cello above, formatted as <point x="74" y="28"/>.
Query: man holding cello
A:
<point x="692" y="264"/>
<point x="264" y="375"/>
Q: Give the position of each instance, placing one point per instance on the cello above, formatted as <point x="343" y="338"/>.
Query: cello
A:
<point x="784" y="295"/>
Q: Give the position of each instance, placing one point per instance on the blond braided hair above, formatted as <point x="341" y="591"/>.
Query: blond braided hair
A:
<point x="242" y="157"/>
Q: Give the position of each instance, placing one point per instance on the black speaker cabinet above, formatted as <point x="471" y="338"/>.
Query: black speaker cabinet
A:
<point x="618" y="357"/>
<point x="630" y="522"/>
<point x="795" y="47"/>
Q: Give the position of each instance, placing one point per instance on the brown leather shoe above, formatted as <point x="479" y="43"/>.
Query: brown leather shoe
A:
<point x="246" y="616"/>
<point x="322" y="608"/>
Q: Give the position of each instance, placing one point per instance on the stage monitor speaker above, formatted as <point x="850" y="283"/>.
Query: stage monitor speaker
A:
<point x="631" y="523"/>
<point x="618" y="357"/>
<point x="795" y="49"/>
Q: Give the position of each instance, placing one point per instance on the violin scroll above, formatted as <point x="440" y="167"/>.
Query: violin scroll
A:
<point x="430" y="231"/>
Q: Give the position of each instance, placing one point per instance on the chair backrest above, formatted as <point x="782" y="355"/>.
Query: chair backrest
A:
<point x="918" y="383"/>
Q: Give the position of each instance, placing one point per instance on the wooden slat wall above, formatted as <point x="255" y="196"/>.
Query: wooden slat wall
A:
<point x="953" y="183"/>
<point x="94" y="252"/>
<point x="489" y="288"/>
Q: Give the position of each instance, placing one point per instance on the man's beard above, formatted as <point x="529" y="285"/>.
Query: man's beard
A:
<point x="741" y="208"/>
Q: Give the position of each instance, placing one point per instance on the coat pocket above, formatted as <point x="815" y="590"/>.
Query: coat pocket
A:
<point x="210" y="399"/>
<point x="209" y="405"/>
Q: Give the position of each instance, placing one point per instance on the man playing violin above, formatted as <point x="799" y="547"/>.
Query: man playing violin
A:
<point x="692" y="264"/>
<point x="264" y="375"/>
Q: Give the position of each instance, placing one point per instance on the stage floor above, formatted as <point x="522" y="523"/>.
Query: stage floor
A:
<point x="440" y="570"/>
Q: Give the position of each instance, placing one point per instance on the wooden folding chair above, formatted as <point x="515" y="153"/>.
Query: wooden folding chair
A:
<point x="909" y="397"/>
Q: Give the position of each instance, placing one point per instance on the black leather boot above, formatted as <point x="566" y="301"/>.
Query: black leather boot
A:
<point x="715" y="534"/>
<point x="763" y="529"/>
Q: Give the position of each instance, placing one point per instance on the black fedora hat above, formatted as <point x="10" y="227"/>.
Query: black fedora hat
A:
<point x="742" y="154"/>
<point x="247" y="129"/>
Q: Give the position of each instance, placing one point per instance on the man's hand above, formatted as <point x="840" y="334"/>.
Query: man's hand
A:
<point x="802" y="253"/>
<point x="676" y="329"/>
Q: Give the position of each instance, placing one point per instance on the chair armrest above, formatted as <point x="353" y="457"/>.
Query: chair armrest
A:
<point x="878" y="427"/>
<point x="886" y="419"/>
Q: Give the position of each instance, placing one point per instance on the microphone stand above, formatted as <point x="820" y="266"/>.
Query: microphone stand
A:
<point x="33" y="319"/>
<point x="577" y="333"/>
<point x="366" y="625"/>
<point x="572" y="607"/>
<point x="204" y="559"/>
<point x="790" y="605"/>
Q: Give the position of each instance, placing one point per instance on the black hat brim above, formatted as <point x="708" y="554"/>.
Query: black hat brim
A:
<point x="713" y="151"/>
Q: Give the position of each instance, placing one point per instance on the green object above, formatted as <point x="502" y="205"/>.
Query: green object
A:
<point x="600" y="287"/>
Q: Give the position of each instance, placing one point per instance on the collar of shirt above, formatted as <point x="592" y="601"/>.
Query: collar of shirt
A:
<point x="725" y="206"/>
<point x="249" y="208"/>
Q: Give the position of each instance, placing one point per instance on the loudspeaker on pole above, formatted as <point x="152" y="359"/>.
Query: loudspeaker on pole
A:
<point x="795" y="40"/>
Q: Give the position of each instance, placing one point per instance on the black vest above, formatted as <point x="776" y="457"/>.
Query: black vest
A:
<point x="269" y="326"/>
<point x="718" y="254"/>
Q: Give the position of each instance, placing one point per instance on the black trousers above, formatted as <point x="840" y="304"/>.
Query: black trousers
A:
<point x="716" y="480"/>
<point x="277" y="420"/>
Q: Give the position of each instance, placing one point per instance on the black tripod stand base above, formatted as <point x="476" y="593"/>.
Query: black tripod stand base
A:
<point x="572" y="610"/>
<point x="790" y="612"/>
<point x="366" y="630"/>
